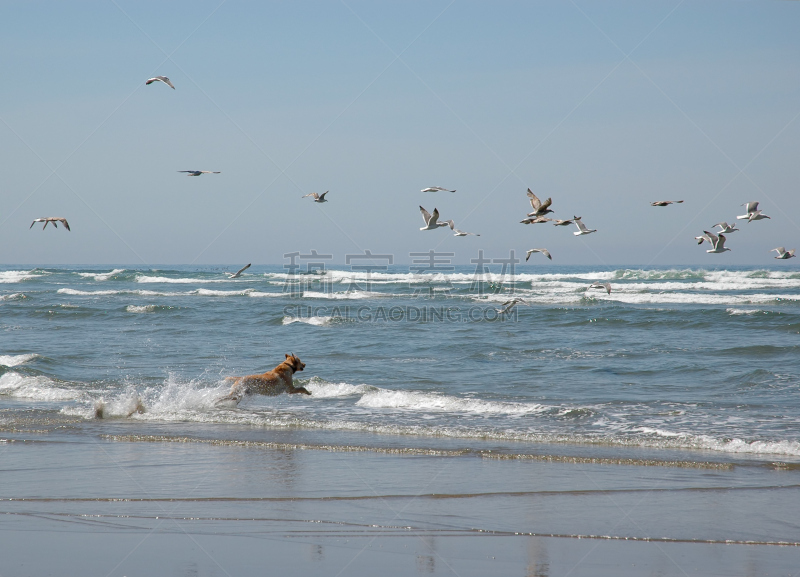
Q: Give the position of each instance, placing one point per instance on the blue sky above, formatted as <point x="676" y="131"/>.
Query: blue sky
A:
<point x="603" y="106"/>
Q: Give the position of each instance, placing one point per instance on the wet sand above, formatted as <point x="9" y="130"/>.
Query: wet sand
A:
<point x="103" y="506"/>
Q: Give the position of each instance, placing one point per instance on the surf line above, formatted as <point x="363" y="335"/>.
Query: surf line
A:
<point x="426" y="452"/>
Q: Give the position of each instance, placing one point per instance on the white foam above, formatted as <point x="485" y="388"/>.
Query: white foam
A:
<point x="316" y="321"/>
<point x="39" y="388"/>
<point x="76" y="292"/>
<point x="419" y="401"/>
<point x="14" y="276"/>
<point x="213" y="293"/>
<point x="743" y="311"/>
<point x="167" y="280"/>
<point x="784" y="447"/>
<point x="145" y="293"/>
<point x="324" y="390"/>
<point x="102" y="276"/>
<point x="141" y="309"/>
<point x="12" y="296"/>
<point x="16" y="360"/>
<point x="347" y="295"/>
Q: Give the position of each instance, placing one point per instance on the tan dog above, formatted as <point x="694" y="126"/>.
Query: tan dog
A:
<point x="274" y="382"/>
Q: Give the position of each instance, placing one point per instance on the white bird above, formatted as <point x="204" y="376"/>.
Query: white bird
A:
<point x="581" y="227"/>
<point x="508" y="305"/>
<point x="601" y="285"/>
<point x="718" y="242"/>
<point x="199" y="172"/>
<point x="459" y="232"/>
<point x="752" y="212"/>
<point x="539" y="208"/>
<point x="432" y="221"/>
<point x="163" y="79"/>
<point x="317" y="197"/>
<point x="544" y="251"/>
<point x="704" y="238"/>
<point x="49" y="219"/>
<point x="665" y="202"/>
<point x="783" y="254"/>
<point x="756" y="216"/>
<point x="535" y="220"/>
<point x="238" y="272"/>
<point x="726" y="228"/>
<point x="436" y="188"/>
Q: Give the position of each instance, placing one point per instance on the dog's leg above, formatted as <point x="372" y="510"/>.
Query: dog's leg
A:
<point x="236" y="393"/>
<point x="139" y="408"/>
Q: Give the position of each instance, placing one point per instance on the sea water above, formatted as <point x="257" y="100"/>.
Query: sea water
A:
<point x="685" y="379"/>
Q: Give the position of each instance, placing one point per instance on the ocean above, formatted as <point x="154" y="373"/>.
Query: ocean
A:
<point x="673" y="399"/>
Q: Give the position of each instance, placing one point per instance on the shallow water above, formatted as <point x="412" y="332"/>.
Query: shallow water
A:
<point x="671" y="359"/>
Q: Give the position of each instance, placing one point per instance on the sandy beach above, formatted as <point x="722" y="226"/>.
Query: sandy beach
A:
<point x="100" y="504"/>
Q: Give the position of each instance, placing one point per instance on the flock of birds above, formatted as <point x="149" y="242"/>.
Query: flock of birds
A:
<point x="715" y="239"/>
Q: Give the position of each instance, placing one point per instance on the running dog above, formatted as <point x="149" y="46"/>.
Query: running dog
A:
<point x="274" y="382"/>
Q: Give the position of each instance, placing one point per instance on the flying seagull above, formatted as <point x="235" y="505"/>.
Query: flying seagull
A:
<point x="459" y="232"/>
<point x="717" y="241"/>
<point x="238" y="272"/>
<point x="581" y="227"/>
<point x="435" y="189"/>
<point x="665" y="202"/>
<point x="601" y="285"/>
<point x="726" y="228"/>
<point x="544" y="251"/>
<point x="783" y="254"/>
<point x="163" y="79"/>
<point x="539" y="208"/>
<point x="508" y="305"/>
<point x="561" y="222"/>
<point x="752" y="212"/>
<point x="317" y="197"/>
<point x="432" y="221"/>
<point x="535" y="220"/>
<point x="705" y="238"/>
<point x="199" y="172"/>
<point x="49" y="219"/>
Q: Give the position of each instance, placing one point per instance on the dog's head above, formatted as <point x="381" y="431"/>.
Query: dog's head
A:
<point x="295" y="363"/>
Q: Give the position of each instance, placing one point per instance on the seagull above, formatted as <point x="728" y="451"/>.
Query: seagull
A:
<point x="199" y="172"/>
<point x="459" y="232"/>
<point x="705" y="238"/>
<point x="163" y="79"/>
<point x="562" y="222"/>
<point x="435" y="189"/>
<point x="581" y="227"/>
<point x="718" y="242"/>
<point x="601" y="285"/>
<point x="317" y="197"/>
<point x="432" y="221"/>
<point x="665" y="202"/>
<point x="539" y="208"/>
<point x="726" y="228"/>
<point x="756" y="216"/>
<point x="49" y="219"/>
<point x="783" y="254"/>
<point x="544" y="251"/>
<point x="238" y="272"/>
<point x="508" y="305"/>
<point x="535" y="220"/>
<point x="752" y="212"/>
